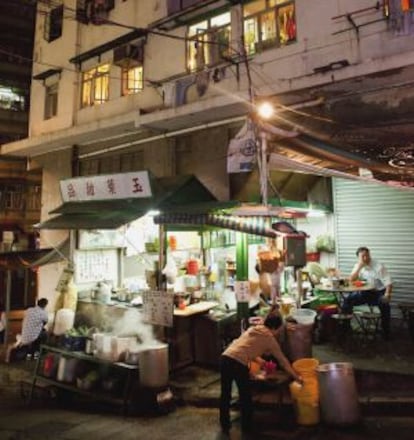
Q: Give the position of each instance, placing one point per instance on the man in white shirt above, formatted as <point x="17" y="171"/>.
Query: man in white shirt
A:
<point x="33" y="332"/>
<point x="375" y="273"/>
<point x="33" y="324"/>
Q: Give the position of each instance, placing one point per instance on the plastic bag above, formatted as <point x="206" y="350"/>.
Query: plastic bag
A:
<point x="170" y="271"/>
<point x="242" y="150"/>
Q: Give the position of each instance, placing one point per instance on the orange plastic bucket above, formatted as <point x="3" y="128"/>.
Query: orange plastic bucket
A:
<point x="306" y="397"/>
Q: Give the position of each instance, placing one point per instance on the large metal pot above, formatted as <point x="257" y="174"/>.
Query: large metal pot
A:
<point x="338" y="394"/>
<point x="153" y="366"/>
<point x="132" y="357"/>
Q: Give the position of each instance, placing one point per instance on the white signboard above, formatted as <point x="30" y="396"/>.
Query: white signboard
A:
<point x="96" y="265"/>
<point x="242" y="290"/>
<point x="158" y="307"/>
<point x="106" y="187"/>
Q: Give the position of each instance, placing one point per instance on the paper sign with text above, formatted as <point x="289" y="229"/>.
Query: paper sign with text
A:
<point x="158" y="308"/>
<point x="242" y="290"/>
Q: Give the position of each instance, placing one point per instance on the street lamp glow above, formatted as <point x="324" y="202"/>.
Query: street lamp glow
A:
<point x="265" y="110"/>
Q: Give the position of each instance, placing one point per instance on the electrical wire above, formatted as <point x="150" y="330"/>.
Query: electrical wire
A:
<point x="242" y="54"/>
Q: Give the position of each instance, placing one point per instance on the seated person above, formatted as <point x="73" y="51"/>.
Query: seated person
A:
<point x="33" y="332"/>
<point x="376" y="274"/>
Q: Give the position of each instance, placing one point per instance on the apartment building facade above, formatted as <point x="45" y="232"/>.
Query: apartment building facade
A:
<point x="122" y="85"/>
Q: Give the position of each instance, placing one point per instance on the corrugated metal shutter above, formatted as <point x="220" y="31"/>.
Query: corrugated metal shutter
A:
<point x="381" y="218"/>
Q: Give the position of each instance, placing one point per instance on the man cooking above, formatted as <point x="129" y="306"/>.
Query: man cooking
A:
<point x="375" y="273"/>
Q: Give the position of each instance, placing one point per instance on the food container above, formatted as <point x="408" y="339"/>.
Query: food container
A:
<point x="132" y="357"/>
<point x="153" y="366"/>
<point x="120" y="346"/>
<point x="64" y="321"/>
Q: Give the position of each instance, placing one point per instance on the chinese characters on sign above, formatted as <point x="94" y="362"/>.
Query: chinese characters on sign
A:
<point x="96" y="265"/>
<point x="110" y="186"/>
<point x="158" y="308"/>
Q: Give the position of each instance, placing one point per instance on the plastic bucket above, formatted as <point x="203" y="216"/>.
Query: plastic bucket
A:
<point x="338" y="394"/>
<point x="304" y="316"/>
<point x="299" y="341"/>
<point x="306" y="366"/>
<point x="306" y="397"/>
<point x="305" y="404"/>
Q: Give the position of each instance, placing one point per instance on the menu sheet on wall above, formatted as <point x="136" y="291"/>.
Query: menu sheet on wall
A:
<point x="242" y="290"/>
<point x="96" y="265"/>
<point x="158" y="307"/>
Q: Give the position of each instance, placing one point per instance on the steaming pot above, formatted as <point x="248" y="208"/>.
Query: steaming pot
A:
<point x="153" y="366"/>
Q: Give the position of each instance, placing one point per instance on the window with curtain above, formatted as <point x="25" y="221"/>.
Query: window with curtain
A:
<point x="95" y="86"/>
<point x="268" y="23"/>
<point x="132" y="80"/>
<point x="209" y="41"/>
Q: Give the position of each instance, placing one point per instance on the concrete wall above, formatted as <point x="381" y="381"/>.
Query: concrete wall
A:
<point x="56" y="166"/>
<point x="274" y="71"/>
<point x="277" y="70"/>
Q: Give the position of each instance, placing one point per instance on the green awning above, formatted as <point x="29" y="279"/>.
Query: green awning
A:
<point x="252" y="225"/>
<point x="170" y="193"/>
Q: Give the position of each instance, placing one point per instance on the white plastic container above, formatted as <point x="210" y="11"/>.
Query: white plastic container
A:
<point x="64" y="321"/>
<point x="66" y="369"/>
<point x="304" y="316"/>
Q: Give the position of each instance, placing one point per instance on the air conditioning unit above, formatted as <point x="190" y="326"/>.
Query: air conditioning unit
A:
<point x="129" y="55"/>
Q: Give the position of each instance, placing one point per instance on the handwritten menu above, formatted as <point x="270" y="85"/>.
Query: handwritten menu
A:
<point x="158" y="307"/>
<point x="242" y="290"/>
<point x="96" y="265"/>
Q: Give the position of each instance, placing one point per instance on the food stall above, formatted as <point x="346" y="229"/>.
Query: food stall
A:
<point x="181" y="276"/>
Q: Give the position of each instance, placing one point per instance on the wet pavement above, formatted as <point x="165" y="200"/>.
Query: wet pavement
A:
<point x="77" y="421"/>
<point x="384" y="375"/>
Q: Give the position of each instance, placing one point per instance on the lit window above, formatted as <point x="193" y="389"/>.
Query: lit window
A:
<point x="95" y="86"/>
<point x="210" y="43"/>
<point x="51" y="101"/>
<point x="132" y="80"/>
<point x="268" y="23"/>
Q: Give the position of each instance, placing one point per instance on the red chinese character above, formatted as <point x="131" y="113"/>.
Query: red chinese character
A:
<point x="111" y="186"/>
<point x="137" y="187"/>
<point x="71" y="191"/>
<point x="90" y="189"/>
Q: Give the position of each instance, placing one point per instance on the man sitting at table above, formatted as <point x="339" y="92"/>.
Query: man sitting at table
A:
<point x="375" y="273"/>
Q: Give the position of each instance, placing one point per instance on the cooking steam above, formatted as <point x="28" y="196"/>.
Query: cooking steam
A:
<point x="131" y="324"/>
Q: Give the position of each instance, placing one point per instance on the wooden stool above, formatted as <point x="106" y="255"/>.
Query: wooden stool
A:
<point x="369" y="323"/>
<point x="343" y="330"/>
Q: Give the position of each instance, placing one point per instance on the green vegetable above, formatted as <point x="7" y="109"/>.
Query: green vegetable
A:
<point x="79" y="331"/>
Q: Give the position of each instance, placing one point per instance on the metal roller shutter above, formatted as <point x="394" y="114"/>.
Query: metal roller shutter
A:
<point x="381" y="218"/>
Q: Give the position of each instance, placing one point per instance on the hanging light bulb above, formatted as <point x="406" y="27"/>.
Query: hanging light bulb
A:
<point x="265" y="110"/>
